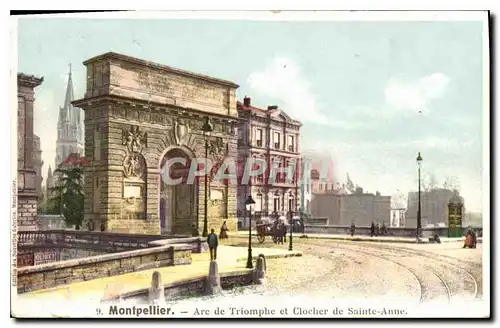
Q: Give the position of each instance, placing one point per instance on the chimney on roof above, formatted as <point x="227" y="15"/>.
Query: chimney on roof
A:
<point x="247" y="101"/>
<point x="272" y="107"/>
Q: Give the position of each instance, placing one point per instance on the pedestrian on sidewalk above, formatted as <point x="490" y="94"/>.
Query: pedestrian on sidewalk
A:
<point x="384" y="229"/>
<point x="223" y="231"/>
<point x="212" y="242"/>
<point x="353" y="229"/>
<point x="372" y="229"/>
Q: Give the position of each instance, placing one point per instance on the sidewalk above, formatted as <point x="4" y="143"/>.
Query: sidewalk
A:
<point x="229" y="259"/>
<point x="383" y="239"/>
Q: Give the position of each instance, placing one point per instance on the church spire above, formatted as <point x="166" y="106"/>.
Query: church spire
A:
<point x="69" y="91"/>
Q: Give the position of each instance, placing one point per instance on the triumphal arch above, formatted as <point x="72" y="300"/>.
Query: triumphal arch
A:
<point x="139" y="114"/>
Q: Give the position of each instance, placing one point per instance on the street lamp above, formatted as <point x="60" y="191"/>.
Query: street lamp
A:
<point x="249" y="202"/>
<point x="290" y="246"/>
<point x="207" y="129"/>
<point x="419" y="211"/>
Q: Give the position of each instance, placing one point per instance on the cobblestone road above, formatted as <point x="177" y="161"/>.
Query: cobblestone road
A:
<point x="363" y="270"/>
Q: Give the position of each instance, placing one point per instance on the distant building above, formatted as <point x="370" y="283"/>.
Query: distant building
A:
<point x="474" y="219"/>
<point x="398" y="217"/>
<point x="361" y="208"/>
<point x="434" y="207"/>
<point x="51" y="222"/>
<point x="38" y="162"/>
<point x="70" y="128"/>
<point x="73" y="159"/>
<point x="273" y="136"/>
<point x="49" y="184"/>
<point x="312" y="180"/>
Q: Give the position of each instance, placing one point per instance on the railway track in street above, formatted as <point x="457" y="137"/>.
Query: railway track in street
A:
<point x="438" y="279"/>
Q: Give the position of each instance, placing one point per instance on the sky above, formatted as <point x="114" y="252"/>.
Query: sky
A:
<point x="370" y="95"/>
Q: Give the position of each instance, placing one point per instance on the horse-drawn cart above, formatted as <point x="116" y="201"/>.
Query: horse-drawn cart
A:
<point x="263" y="230"/>
<point x="276" y="230"/>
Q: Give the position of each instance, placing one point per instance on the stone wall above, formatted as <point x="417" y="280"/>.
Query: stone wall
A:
<point x="392" y="231"/>
<point x="93" y="242"/>
<point x="192" y="287"/>
<point x="62" y="273"/>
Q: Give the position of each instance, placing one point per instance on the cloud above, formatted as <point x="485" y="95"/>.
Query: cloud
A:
<point x="282" y="80"/>
<point x="403" y="95"/>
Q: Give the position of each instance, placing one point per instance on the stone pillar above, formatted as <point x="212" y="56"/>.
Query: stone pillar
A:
<point x="260" y="270"/>
<point x="26" y="184"/>
<point x="213" y="280"/>
<point x="156" y="293"/>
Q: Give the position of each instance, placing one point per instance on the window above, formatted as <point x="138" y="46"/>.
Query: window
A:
<point x="276" y="207"/>
<point x="258" y="205"/>
<point x="258" y="137"/>
<point x="277" y="140"/>
<point x="290" y="143"/>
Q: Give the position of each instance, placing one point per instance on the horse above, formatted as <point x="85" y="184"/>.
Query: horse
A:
<point x="279" y="234"/>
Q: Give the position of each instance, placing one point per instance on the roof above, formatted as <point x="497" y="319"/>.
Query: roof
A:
<point x="143" y="62"/>
<point x="456" y="200"/>
<point x="268" y="112"/>
<point x="74" y="159"/>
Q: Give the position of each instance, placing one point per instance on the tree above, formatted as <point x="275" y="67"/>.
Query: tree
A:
<point x="68" y="196"/>
<point x="452" y="183"/>
<point x="429" y="182"/>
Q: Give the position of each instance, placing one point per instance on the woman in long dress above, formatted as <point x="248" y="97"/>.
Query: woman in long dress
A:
<point x="223" y="231"/>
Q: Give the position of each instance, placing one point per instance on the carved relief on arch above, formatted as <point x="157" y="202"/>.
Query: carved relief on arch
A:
<point x="181" y="135"/>
<point x="134" y="166"/>
<point x="135" y="140"/>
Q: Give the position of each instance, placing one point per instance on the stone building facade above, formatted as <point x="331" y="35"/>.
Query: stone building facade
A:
<point x="358" y="207"/>
<point x="272" y="136"/>
<point x="26" y="171"/>
<point x="70" y="131"/>
<point x="434" y="207"/>
<point x="37" y="158"/>
<point x="138" y="115"/>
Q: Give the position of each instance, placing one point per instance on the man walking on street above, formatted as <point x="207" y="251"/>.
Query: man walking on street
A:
<point x="212" y="242"/>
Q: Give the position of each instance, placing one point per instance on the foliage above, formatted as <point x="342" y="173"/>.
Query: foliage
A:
<point x="67" y="195"/>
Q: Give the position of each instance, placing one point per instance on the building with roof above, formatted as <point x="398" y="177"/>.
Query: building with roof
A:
<point x="344" y="208"/>
<point x="70" y="128"/>
<point x="270" y="135"/>
<point x="434" y="207"/>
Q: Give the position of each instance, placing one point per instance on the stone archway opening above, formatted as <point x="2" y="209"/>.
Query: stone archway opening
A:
<point x="177" y="201"/>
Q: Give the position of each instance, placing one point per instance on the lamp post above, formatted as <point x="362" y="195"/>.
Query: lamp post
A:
<point x="248" y="204"/>
<point x="207" y="129"/>
<point x="290" y="246"/>
<point x="419" y="210"/>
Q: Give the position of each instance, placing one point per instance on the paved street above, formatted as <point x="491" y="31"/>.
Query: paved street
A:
<point x="354" y="270"/>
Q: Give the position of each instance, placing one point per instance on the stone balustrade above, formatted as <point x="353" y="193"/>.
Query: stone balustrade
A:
<point x="106" y="242"/>
<point x="64" y="272"/>
<point x="391" y="231"/>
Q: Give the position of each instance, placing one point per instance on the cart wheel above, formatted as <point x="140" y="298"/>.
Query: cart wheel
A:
<point x="261" y="238"/>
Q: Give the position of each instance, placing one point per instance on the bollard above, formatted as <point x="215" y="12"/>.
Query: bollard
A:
<point x="156" y="292"/>
<point x="213" y="280"/>
<point x="260" y="270"/>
